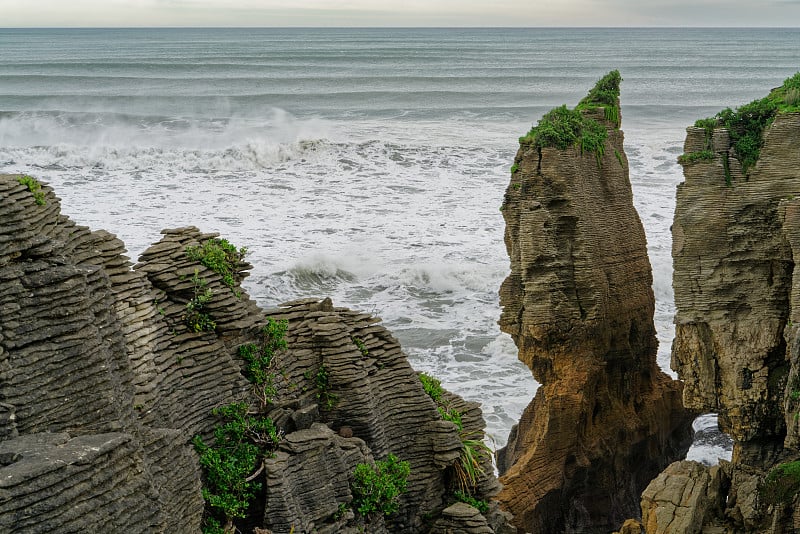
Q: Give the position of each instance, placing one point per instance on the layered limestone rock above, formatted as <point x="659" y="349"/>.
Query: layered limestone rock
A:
<point x="103" y="385"/>
<point x="579" y="306"/>
<point x="735" y="240"/>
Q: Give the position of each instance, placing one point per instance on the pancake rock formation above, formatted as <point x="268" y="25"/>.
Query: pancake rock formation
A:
<point x="579" y="305"/>
<point x="118" y="383"/>
<point x="736" y="239"/>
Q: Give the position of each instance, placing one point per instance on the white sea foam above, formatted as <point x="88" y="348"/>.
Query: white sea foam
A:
<point x="367" y="165"/>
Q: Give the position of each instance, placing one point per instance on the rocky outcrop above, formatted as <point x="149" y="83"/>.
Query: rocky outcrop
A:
<point x="579" y="306"/>
<point x="735" y="240"/>
<point x="104" y="382"/>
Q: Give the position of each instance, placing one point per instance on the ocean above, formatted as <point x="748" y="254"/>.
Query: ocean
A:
<point x="364" y="164"/>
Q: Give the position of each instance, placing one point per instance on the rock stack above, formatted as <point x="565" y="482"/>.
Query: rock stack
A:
<point x="104" y="382"/>
<point x="579" y="306"/>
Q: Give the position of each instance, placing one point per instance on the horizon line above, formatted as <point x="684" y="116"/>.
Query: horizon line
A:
<point x="365" y="27"/>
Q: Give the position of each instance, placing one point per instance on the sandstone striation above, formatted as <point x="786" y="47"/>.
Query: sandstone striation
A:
<point x="735" y="240"/>
<point x="104" y="384"/>
<point x="579" y="306"/>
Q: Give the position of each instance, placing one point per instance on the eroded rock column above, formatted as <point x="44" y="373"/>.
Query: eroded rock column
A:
<point x="579" y="305"/>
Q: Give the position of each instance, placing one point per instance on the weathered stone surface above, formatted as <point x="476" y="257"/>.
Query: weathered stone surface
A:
<point x="733" y="282"/>
<point x="677" y="500"/>
<point x="579" y="305"/>
<point x="103" y="385"/>
<point x="736" y="346"/>
<point x="86" y="483"/>
<point x="461" y="518"/>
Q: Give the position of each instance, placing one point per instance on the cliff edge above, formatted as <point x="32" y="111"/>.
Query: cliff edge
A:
<point x="735" y="240"/>
<point x="579" y="305"/>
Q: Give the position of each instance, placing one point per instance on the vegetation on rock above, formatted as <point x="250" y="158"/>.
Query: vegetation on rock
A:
<point x="34" y="187"/>
<point x="233" y="461"/>
<point x="377" y="489"/>
<point x="467" y="469"/>
<point x="692" y="157"/>
<point x="220" y="256"/>
<point x="196" y="319"/>
<point x="562" y="127"/>
<point x="259" y="358"/>
<point x="747" y="123"/>
<point x="605" y="94"/>
<point x="481" y="506"/>
<point x="781" y="485"/>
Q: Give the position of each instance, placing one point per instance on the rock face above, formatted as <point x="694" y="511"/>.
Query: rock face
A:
<point x="579" y="306"/>
<point x="736" y="342"/>
<point x="103" y="386"/>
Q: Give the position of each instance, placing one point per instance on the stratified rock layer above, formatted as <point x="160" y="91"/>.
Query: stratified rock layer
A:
<point x="103" y="386"/>
<point x="737" y="295"/>
<point x="579" y="305"/>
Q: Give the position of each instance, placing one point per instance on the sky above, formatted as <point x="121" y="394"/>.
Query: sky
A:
<point x="447" y="13"/>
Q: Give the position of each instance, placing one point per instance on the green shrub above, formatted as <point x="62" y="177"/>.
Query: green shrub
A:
<point x="325" y="397"/>
<point x="746" y="126"/>
<point x="514" y="168"/>
<point x="562" y="127"/>
<point x="482" y="506"/>
<point x="34" y="187"/>
<point x="361" y="346"/>
<point x="220" y="256"/>
<point x="259" y="358"/>
<point x="432" y="386"/>
<point x="747" y="123"/>
<point x="558" y="128"/>
<point x="196" y="319"/>
<point x="781" y="484"/>
<point x="454" y="416"/>
<point x="692" y="157"/>
<point x="605" y="94"/>
<point x="240" y="444"/>
<point x="377" y="489"/>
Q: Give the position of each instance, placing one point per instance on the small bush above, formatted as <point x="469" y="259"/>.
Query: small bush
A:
<point x="747" y="123"/>
<point x="196" y="319"/>
<point x="220" y="256"/>
<point x="377" y="489"/>
<point x="325" y="397"/>
<point x="482" y="506"/>
<point x="559" y="128"/>
<point x="432" y="386"/>
<point x="240" y="443"/>
<point x="358" y="342"/>
<point x="781" y="485"/>
<point x="259" y="356"/>
<point x="692" y="157"/>
<point x="34" y="187"/>
<point x="454" y="416"/>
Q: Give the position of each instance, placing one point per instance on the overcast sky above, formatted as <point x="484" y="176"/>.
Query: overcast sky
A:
<point x="399" y="13"/>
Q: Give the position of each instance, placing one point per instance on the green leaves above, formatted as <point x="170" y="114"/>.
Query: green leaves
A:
<point x="559" y="128"/>
<point x="34" y="187"/>
<point x="220" y="256"/>
<point x="196" y="319"/>
<point x="377" y="489"/>
<point x="781" y="484"/>
<point x="432" y="386"/>
<point x="240" y="443"/>
<point x="747" y="123"/>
